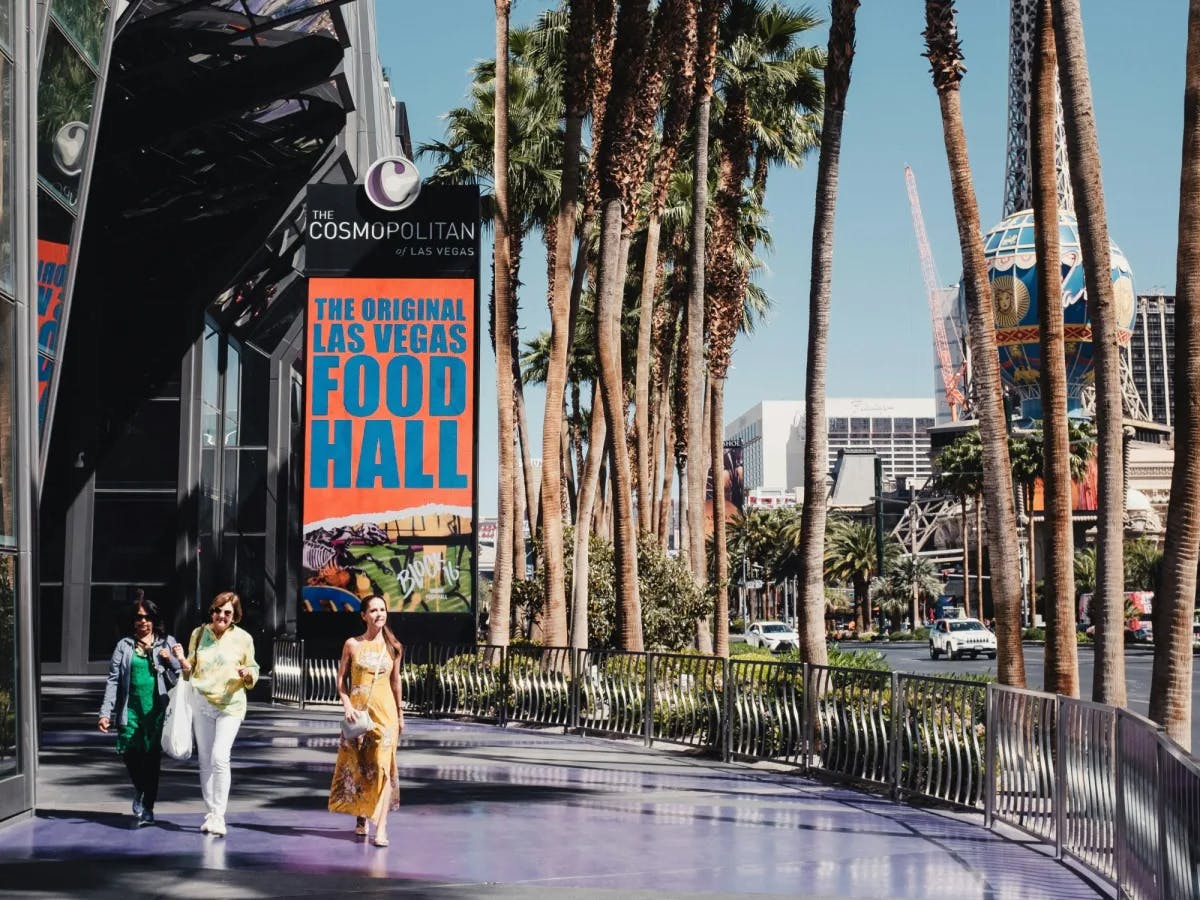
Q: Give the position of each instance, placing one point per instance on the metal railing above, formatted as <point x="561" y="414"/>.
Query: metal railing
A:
<point x="1103" y="786"/>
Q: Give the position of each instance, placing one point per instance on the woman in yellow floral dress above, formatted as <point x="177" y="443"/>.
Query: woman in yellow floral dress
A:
<point x="364" y="777"/>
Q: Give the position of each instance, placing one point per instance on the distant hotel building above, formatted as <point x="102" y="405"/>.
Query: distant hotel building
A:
<point x="1152" y="354"/>
<point x="772" y="436"/>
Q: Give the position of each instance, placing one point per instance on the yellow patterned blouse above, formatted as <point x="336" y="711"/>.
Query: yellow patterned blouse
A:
<point x="215" y="662"/>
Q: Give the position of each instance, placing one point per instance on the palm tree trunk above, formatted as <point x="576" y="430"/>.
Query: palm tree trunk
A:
<point x="720" y="551"/>
<point x="966" y="562"/>
<point x="811" y="618"/>
<point x="1061" y="647"/>
<point x="668" y="450"/>
<point x="589" y="486"/>
<point x="498" y="614"/>
<point x="641" y="394"/>
<point x="694" y="391"/>
<point x="1083" y="152"/>
<point x="945" y="56"/>
<point x="979" y="554"/>
<point x="1171" y="684"/>
<point x="575" y="103"/>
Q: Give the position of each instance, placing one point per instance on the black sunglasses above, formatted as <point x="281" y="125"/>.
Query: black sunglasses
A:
<point x="137" y="616"/>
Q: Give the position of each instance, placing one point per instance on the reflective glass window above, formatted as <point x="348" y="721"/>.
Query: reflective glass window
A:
<point x="50" y="620"/>
<point x="252" y="490"/>
<point x="84" y="21"/>
<point x="8" y="395"/>
<point x="146" y="455"/>
<point x="65" y="93"/>
<point x="8" y="664"/>
<point x="233" y="371"/>
<point x="134" y="538"/>
<point x="7" y="223"/>
<point x="6" y="36"/>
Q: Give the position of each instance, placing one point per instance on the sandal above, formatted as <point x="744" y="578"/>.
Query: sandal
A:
<point x="360" y="826"/>
<point x="381" y="838"/>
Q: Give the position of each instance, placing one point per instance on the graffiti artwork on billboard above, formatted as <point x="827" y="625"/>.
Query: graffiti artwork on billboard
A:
<point x="52" y="280"/>
<point x="733" y="478"/>
<point x="388" y="492"/>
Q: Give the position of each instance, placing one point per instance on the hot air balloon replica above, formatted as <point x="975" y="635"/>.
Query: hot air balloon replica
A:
<point x="1012" y="272"/>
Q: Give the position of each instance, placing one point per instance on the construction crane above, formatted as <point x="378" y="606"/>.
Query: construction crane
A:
<point x="950" y="378"/>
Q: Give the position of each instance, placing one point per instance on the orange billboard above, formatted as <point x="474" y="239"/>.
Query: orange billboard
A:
<point x="389" y="443"/>
<point x="1085" y="493"/>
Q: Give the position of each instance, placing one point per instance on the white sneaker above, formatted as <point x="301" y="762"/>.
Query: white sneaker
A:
<point x="207" y="826"/>
<point x="217" y="826"/>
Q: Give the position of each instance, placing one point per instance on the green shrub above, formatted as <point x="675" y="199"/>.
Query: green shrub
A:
<point x="1033" y="634"/>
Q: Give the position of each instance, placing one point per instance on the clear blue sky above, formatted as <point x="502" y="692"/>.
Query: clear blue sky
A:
<point x="880" y="343"/>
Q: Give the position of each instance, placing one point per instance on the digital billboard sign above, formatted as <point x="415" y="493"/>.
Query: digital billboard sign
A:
<point x="391" y="378"/>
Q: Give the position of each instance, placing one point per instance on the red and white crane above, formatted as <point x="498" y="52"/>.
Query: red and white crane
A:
<point x="951" y="378"/>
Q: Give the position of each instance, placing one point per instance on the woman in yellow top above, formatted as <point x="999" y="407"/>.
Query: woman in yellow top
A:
<point x="364" y="777"/>
<point x="220" y="666"/>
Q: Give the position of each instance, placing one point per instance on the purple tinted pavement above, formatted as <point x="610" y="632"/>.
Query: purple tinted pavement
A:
<point x="509" y="812"/>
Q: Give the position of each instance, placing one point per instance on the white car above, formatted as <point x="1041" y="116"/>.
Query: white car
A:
<point x="961" y="637"/>
<point x="775" y="636"/>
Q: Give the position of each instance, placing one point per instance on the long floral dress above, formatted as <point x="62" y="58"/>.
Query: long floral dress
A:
<point x="368" y="763"/>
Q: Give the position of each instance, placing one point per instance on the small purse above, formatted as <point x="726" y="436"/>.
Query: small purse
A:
<point x="352" y="729"/>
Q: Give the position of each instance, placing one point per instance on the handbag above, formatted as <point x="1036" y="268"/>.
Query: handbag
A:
<point x="354" y="728"/>
<point x="177" y="724"/>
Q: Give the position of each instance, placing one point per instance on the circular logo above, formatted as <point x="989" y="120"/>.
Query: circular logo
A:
<point x="1010" y="299"/>
<point x="392" y="183"/>
<point x="68" y="147"/>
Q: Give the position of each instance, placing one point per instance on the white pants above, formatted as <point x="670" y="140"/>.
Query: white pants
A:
<point x="215" y="731"/>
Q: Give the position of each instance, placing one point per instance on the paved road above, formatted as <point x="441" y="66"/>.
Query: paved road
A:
<point x="1139" y="662"/>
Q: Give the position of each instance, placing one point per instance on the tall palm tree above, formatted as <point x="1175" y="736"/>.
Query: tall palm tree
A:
<point x="618" y="182"/>
<point x="1062" y="663"/>
<point x="1171" y="683"/>
<point x="811" y="618"/>
<point x="1083" y="152"/>
<point x="574" y="109"/>
<point x="946" y="61"/>
<point x="498" y="614"/>
<point x="689" y="452"/>
<point x="677" y="20"/>
<point x="960" y="471"/>
<point x="760" y="73"/>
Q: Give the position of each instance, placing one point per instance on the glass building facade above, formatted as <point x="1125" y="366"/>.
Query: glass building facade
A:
<point x="19" y="297"/>
<point x="151" y="212"/>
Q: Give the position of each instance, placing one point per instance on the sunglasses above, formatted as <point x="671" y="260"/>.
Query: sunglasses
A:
<point x="142" y="617"/>
<point x="223" y="613"/>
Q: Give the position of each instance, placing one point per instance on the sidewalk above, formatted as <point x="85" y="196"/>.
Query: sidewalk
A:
<point x="491" y="812"/>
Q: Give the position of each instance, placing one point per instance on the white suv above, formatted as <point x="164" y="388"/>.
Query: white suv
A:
<point x="959" y="637"/>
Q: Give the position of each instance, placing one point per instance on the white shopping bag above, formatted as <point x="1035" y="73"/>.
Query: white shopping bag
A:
<point x="177" y="726"/>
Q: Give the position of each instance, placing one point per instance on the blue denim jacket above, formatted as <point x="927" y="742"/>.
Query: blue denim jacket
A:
<point x="116" y="692"/>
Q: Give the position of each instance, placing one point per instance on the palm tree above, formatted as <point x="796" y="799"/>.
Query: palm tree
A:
<point x="690" y="451"/>
<point x="498" y="614"/>
<point x="909" y="580"/>
<point x="945" y="57"/>
<point x="960" y="471"/>
<point x="574" y="109"/>
<point x="1062" y="650"/>
<point x="760" y="73"/>
<point x="811" y="618"/>
<point x="850" y="558"/>
<point x="1143" y="565"/>
<point x="1083" y="567"/>
<point x="1083" y="152"/>
<point x="619" y="179"/>
<point x="1171" y="683"/>
<point x="679" y="39"/>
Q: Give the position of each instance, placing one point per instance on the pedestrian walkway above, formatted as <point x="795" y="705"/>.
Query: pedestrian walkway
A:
<point x="492" y="812"/>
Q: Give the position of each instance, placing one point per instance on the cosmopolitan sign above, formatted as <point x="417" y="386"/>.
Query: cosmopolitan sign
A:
<point x="391" y="380"/>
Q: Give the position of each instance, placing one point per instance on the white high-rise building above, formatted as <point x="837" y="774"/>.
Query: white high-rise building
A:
<point x="772" y="436"/>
